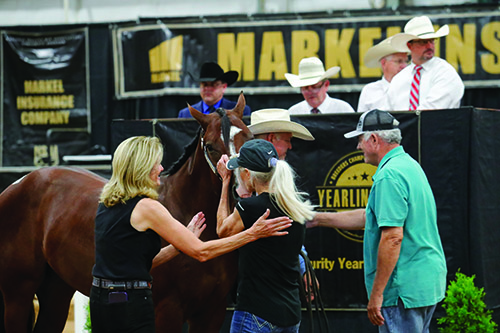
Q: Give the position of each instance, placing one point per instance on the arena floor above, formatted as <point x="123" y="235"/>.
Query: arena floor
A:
<point x="70" y="323"/>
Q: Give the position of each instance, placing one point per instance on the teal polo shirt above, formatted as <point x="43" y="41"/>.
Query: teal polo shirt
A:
<point x="402" y="197"/>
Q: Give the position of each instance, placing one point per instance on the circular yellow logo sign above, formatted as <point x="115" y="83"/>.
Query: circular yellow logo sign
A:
<point x="346" y="187"/>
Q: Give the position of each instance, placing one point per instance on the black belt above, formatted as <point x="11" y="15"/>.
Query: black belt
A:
<point x="108" y="284"/>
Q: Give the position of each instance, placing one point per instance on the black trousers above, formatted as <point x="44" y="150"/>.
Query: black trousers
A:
<point x="131" y="312"/>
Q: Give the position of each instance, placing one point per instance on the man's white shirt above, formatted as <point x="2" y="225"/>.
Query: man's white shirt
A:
<point x="329" y="105"/>
<point x="373" y="96"/>
<point x="440" y="87"/>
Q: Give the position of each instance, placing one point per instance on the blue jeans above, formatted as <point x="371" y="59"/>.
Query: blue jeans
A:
<point x="245" y="322"/>
<point x="398" y="319"/>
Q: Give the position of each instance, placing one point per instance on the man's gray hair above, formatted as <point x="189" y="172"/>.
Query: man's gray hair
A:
<point x="389" y="136"/>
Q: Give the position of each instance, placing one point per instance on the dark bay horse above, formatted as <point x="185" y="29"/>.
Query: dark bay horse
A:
<point x="47" y="237"/>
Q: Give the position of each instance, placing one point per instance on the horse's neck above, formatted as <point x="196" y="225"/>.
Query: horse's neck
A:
<point x="203" y="179"/>
<point x="193" y="188"/>
<point x="204" y="191"/>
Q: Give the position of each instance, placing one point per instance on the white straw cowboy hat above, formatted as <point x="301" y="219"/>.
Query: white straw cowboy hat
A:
<point x="277" y="121"/>
<point x="419" y="27"/>
<point x="382" y="49"/>
<point x="311" y="71"/>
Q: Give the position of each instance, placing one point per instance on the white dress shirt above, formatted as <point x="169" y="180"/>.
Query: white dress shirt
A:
<point x="440" y="87"/>
<point x="373" y="96"/>
<point x="329" y="105"/>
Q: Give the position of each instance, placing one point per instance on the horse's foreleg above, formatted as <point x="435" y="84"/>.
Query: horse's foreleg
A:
<point x="210" y="320"/>
<point x="18" y="314"/>
<point x="168" y="317"/>
<point x="54" y="297"/>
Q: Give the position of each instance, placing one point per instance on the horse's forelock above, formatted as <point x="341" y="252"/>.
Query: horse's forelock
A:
<point x="225" y="126"/>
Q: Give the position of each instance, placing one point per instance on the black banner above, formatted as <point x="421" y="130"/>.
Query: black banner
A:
<point x="458" y="152"/>
<point x="46" y="109"/>
<point x="156" y="59"/>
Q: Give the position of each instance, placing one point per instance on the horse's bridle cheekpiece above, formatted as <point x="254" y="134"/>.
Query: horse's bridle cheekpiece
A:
<point x="225" y="130"/>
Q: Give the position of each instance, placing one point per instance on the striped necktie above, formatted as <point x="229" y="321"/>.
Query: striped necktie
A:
<point x="315" y="111"/>
<point x="415" y="89"/>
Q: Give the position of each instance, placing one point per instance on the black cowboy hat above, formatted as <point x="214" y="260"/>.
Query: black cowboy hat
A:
<point x="211" y="71"/>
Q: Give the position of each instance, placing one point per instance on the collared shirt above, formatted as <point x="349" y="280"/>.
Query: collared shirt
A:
<point x="373" y="95"/>
<point x="329" y="105"/>
<point x="402" y="197"/>
<point x="440" y="87"/>
<point x="206" y="107"/>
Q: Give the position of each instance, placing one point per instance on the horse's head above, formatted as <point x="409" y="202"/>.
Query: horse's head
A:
<point x="187" y="189"/>
<point x="224" y="132"/>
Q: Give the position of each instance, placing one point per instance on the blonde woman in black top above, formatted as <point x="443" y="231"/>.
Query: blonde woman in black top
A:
<point x="128" y="227"/>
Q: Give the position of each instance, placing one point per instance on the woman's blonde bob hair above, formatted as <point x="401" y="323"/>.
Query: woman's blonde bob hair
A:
<point x="133" y="162"/>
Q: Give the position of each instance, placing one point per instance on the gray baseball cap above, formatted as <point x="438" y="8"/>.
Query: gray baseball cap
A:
<point x="374" y="120"/>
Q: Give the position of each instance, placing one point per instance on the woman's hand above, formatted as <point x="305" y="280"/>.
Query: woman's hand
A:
<point x="223" y="171"/>
<point x="273" y="227"/>
<point x="197" y="224"/>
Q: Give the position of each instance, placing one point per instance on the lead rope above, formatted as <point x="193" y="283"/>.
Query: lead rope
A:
<point x="318" y="302"/>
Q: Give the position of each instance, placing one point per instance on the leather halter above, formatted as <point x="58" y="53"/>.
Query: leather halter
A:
<point x="225" y="126"/>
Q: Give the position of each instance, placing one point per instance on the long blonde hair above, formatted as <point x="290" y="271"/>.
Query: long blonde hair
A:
<point x="282" y="188"/>
<point x="133" y="161"/>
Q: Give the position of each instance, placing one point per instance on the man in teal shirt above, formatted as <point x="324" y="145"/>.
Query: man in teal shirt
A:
<point x="404" y="262"/>
<point x="405" y="266"/>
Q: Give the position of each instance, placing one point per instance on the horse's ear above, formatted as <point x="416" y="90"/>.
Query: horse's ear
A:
<point x="240" y="106"/>
<point x="199" y="116"/>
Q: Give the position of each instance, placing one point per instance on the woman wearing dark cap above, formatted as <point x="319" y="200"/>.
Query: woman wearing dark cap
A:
<point x="268" y="289"/>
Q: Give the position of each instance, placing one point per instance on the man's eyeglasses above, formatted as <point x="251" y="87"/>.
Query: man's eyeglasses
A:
<point x="399" y="61"/>
<point x="314" y="87"/>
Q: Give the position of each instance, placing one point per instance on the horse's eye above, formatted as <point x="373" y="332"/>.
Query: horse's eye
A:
<point x="210" y="148"/>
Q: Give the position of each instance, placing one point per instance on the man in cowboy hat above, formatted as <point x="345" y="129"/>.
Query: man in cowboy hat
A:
<point x="213" y="83"/>
<point x="275" y="126"/>
<point x="391" y="61"/>
<point x="313" y="83"/>
<point x="428" y="82"/>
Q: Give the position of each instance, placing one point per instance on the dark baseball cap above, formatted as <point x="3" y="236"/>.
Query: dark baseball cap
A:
<point x="374" y="120"/>
<point x="256" y="155"/>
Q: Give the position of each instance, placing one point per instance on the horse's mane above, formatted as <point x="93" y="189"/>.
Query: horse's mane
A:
<point x="190" y="147"/>
<point x="188" y="150"/>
